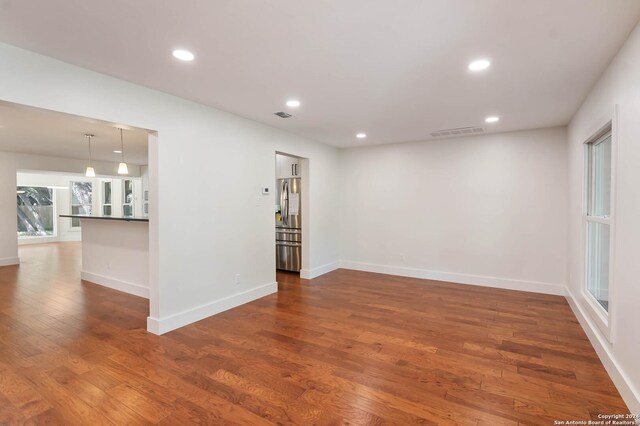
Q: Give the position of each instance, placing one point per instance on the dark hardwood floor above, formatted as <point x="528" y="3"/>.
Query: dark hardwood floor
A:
<point x="345" y="348"/>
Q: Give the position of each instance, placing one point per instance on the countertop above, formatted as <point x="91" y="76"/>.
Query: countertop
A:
<point x="93" y="216"/>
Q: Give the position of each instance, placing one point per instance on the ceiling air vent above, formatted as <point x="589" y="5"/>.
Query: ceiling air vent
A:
<point x="283" y="114"/>
<point x="460" y="131"/>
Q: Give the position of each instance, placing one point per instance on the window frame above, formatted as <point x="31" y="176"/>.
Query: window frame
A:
<point x="124" y="197"/>
<point x="71" y="204"/>
<point x="54" y="205"/>
<point x="604" y="319"/>
<point x="145" y="202"/>
<point x="104" y="192"/>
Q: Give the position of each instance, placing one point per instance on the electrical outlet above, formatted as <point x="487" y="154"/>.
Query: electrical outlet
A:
<point x="237" y="279"/>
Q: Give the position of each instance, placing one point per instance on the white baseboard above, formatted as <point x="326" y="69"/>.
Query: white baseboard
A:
<point x="47" y="240"/>
<point x="172" y="322"/>
<point x="116" y="284"/>
<point x="7" y="261"/>
<point x="69" y="238"/>
<point x="36" y="240"/>
<point x="309" y="274"/>
<point x="630" y="394"/>
<point x="480" y="280"/>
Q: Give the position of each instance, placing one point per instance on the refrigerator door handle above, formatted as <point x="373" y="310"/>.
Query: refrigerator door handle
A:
<point x="286" y="191"/>
<point x="282" y="201"/>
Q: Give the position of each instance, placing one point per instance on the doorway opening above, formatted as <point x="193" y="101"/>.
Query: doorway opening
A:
<point x="81" y="211"/>
<point x="291" y="214"/>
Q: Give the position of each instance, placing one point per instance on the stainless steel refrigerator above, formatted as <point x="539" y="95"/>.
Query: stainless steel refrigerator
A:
<point x="289" y="225"/>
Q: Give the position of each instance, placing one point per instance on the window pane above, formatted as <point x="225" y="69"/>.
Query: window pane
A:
<point x="80" y="209"/>
<point x="107" y="193"/>
<point x="601" y="178"/>
<point x="81" y="197"/>
<point x="127" y="210"/>
<point x="106" y="210"/>
<point x="80" y="192"/>
<point x="75" y="222"/>
<point x="598" y="262"/>
<point x="35" y="211"/>
<point x="128" y="191"/>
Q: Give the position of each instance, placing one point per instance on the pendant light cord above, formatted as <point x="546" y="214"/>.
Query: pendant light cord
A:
<point x="90" y="159"/>
<point x="121" y="145"/>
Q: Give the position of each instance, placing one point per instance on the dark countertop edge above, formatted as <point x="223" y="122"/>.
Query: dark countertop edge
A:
<point x="126" y="219"/>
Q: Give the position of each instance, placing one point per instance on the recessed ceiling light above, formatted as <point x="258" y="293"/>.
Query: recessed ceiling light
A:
<point x="117" y="151"/>
<point x="183" y="55"/>
<point x="361" y="135"/>
<point x="492" y="119"/>
<point x="293" y="103"/>
<point x="479" y="65"/>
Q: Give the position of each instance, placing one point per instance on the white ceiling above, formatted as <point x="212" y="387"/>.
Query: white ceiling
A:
<point x="40" y="132"/>
<point x="394" y="69"/>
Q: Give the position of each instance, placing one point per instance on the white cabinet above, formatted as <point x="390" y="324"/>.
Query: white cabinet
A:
<point x="287" y="167"/>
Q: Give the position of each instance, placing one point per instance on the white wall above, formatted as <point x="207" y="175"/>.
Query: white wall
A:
<point x="202" y="242"/>
<point x="8" y="236"/>
<point x="619" y="85"/>
<point x="487" y="210"/>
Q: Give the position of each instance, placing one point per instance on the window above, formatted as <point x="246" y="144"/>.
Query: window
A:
<point x="127" y="205"/>
<point x="106" y="198"/>
<point x="35" y="211"/>
<point x="81" y="198"/>
<point x="598" y="220"/>
<point x="145" y="204"/>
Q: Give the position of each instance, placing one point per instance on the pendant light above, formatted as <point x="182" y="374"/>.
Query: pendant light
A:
<point x="90" y="171"/>
<point x="122" y="167"/>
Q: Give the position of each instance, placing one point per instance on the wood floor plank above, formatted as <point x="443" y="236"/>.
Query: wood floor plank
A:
<point x="21" y="394"/>
<point x="345" y="348"/>
<point x="144" y="405"/>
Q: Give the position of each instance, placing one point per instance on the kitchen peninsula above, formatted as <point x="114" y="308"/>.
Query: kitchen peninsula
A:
<point x="115" y="252"/>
